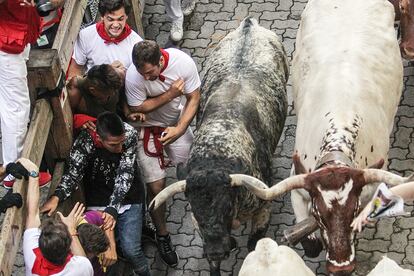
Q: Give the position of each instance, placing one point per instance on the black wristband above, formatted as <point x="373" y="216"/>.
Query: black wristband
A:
<point x="60" y="194"/>
<point x="112" y="211"/>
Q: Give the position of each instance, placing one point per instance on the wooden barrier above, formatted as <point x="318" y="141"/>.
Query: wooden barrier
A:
<point x="134" y="18"/>
<point x="50" y="129"/>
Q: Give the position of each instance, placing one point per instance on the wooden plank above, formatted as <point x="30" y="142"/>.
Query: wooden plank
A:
<point x="134" y="17"/>
<point x="57" y="176"/>
<point x="13" y="223"/>
<point x="43" y="69"/>
<point x="66" y="206"/>
<point x="68" y="30"/>
<point x="60" y="136"/>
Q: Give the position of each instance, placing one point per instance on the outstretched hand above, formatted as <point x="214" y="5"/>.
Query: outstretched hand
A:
<point x="73" y="218"/>
<point x="362" y="219"/>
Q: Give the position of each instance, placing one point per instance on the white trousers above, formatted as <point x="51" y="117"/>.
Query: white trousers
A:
<point x="14" y="103"/>
<point x="173" y="9"/>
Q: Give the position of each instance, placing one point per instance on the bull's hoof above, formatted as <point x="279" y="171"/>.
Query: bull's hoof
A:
<point x="312" y="247"/>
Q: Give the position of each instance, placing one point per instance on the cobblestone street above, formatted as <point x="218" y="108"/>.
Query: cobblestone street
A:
<point x="210" y="22"/>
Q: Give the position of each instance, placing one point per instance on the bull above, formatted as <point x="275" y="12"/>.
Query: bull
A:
<point x="269" y="259"/>
<point x="240" y="119"/>
<point x="404" y="13"/>
<point x="390" y="268"/>
<point x="347" y="82"/>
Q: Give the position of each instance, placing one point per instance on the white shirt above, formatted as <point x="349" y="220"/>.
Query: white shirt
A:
<point x="91" y="49"/>
<point x="77" y="266"/>
<point x="180" y="65"/>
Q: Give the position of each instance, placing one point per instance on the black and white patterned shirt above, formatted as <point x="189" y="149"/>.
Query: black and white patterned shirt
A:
<point x="109" y="179"/>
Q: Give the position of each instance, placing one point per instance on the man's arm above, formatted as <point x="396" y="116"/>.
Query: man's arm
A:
<point x="75" y="69"/>
<point x="71" y="221"/>
<point x="109" y="256"/>
<point x="2" y="169"/>
<point x="123" y="179"/>
<point x="151" y="104"/>
<point x="190" y="109"/>
<point x="32" y="201"/>
<point x="57" y="3"/>
<point x="74" y="171"/>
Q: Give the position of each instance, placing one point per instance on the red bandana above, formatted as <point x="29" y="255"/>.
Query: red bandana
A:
<point x="100" y="28"/>
<point x="166" y="59"/>
<point x="79" y="120"/>
<point x="43" y="267"/>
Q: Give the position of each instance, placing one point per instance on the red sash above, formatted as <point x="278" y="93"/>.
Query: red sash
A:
<point x="100" y="28"/>
<point x="159" y="149"/>
<point x="43" y="267"/>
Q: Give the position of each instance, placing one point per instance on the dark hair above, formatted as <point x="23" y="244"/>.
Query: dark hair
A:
<point x="106" y="6"/>
<point x="92" y="238"/>
<point x="54" y="240"/>
<point x="109" y="124"/>
<point x="104" y="78"/>
<point x="146" y="51"/>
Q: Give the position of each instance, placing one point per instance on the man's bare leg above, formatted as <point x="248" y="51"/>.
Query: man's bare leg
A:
<point x="158" y="216"/>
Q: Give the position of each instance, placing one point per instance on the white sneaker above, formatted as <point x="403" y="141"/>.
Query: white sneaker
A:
<point x="187" y="10"/>
<point x="176" y="30"/>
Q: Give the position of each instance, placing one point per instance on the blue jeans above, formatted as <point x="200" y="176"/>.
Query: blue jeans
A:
<point x="128" y="236"/>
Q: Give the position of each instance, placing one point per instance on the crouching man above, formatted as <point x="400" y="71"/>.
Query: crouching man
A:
<point x="104" y="162"/>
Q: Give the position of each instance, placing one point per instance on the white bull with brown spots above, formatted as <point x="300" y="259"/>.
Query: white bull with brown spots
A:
<point x="347" y="81"/>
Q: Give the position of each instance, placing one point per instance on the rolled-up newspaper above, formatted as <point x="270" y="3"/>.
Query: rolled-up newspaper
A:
<point x="386" y="204"/>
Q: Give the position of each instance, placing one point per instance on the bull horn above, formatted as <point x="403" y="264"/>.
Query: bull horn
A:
<point x="261" y="190"/>
<point x="375" y="175"/>
<point x="177" y="187"/>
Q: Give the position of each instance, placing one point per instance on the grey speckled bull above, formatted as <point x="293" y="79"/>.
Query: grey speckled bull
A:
<point x="240" y="119"/>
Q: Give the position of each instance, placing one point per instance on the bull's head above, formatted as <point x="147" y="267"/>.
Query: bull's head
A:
<point x="212" y="196"/>
<point x="406" y="8"/>
<point x="334" y="191"/>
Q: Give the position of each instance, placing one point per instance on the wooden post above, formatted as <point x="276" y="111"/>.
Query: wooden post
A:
<point x="44" y="71"/>
<point x="77" y="196"/>
<point x="68" y="30"/>
<point x="33" y="148"/>
<point x="134" y="17"/>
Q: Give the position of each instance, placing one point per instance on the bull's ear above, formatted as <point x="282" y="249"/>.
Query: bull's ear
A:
<point x="299" y="168"/>
<point x="377" y="165"/>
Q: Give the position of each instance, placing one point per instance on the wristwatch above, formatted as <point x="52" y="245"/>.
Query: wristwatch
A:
<point x="34" y="174"/>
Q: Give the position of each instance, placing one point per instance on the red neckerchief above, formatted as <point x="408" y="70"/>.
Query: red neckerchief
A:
<point x="43" y="267"/>
<point x="166" y="59"/>
<point x="100" y="28"/>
